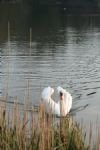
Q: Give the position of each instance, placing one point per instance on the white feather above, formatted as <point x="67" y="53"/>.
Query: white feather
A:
<point x="54" y="107"/>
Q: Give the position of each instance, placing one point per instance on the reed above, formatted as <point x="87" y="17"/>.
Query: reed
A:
<point x="25" y="130"/>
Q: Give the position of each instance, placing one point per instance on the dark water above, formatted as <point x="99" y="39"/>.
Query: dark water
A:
<point x="65" y="51"/>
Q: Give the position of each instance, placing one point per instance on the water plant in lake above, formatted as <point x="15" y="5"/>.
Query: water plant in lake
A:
<point x="30" y="130"/>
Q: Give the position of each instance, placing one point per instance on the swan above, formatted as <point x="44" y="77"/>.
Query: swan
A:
<point x="59" y="108"/>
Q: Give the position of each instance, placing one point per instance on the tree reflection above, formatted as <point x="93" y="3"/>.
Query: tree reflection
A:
<point x="50" y="28"/>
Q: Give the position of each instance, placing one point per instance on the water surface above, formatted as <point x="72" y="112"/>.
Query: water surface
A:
<point x="65" y="51"/>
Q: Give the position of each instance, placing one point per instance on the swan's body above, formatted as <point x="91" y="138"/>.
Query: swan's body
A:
<point x="60" y="108"/>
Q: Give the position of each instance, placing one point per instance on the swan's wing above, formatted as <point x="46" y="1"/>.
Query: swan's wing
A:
<point x="50" y="105"/>
<point x="46" y="93"/>
<point x="68" y="101"/>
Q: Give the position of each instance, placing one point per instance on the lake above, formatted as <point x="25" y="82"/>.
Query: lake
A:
<point x="65" y="51"/>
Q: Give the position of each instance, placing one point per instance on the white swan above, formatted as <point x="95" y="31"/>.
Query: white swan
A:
<point x="60" y="108"/>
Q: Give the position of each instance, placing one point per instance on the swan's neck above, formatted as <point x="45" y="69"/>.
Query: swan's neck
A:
<point x="62" y="108"/>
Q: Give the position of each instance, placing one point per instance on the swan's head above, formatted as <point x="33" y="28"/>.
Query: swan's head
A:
<point x="61" y="96"/>
<point x="61" y="92"/>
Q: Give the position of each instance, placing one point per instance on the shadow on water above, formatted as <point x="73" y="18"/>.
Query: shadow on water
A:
<point x="77" y="109"/>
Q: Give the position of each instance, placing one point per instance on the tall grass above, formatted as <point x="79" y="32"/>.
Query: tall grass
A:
<point x="25" y="130"/>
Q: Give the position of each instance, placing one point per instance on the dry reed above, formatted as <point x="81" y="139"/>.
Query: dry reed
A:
<point x="25" y="130"/>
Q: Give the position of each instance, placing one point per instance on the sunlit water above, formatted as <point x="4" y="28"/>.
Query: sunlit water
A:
<point x="65" y="51"/>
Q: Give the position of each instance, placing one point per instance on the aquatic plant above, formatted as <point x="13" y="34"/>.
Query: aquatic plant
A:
<point x="26" y="129"/>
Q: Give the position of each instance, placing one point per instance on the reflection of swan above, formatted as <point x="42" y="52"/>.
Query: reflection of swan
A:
<point x="60" y="108"/>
